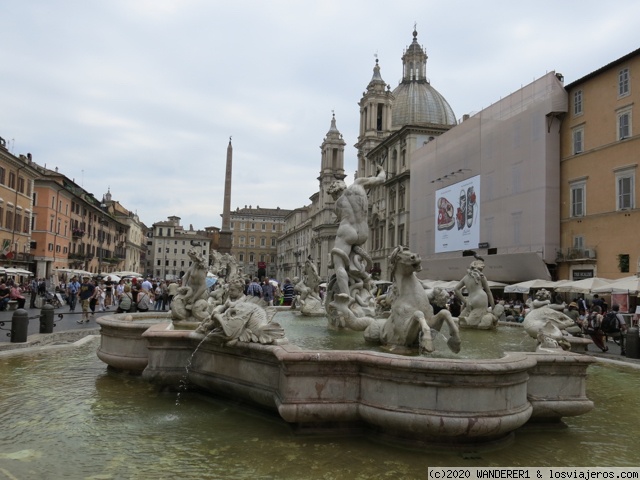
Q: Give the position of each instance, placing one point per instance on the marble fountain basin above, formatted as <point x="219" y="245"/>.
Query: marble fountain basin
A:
<point x="418" y="399"/>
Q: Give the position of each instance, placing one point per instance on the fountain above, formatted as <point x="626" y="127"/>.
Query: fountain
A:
<point x="421" y="400"/>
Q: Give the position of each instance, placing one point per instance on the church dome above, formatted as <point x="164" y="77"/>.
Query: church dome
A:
<point x="416" y="102"/>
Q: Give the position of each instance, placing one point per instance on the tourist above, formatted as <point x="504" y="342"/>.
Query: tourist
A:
<point x="108" y="292"/>
<point x="267" y="291"/>
<point x="72" y="293"/>
<point x="33" y="295"/>
<point x="125" y="300"/>
<point x="254" y="288"/>
<point x="287" y="292"/>
<point x="159" y="300"/>
<point x="143" y="301"/>
<point x="351" y="209"/>
<point x="5" y="294"/>
<point x="620" y="329"/>
<point x="16" y="294"/>
<point x="594" y="330"/>
<point x="172" y="291"/>
<point x="85" y="293"/>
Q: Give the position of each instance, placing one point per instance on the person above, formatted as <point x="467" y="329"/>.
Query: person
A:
<point x="287" y="292"/>
<point x="16" y="294"/>
<point x="147" y="285"/>
<point x="72" y="293"/>
<point x="594" y="330"/>
<point x="267" y="291"/>
<point x="351" y="209"/>
<point x="159" y="300"/>
<point x="108" y="292"/>
<point x="455" y="306"/>
<point x="97" y="299"/>
<point x="125" y="300"/>
<point x="33" y="287"/>
<point x="620" y="330"/>
<point x="5" y="294"/>
<point x="254" y="288"/>
<point x="143" y="302"/>
<point x="172" y="291"/>
<point x="85" y="293"/>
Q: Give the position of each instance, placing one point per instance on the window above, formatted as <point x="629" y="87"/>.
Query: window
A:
<point x="8" y="223"/>
<point x="264" y="227"/>
<point x="392" y="200"/>
<point x="577" y="102"/>
<point x="251" y="258"/>
<point x="2" y="175"/>
<point x="625" y="180"/>
<point x="400" y="234"/>
<point x="624" y="124"/>
<point x="241" y="257"/>
<point x="623" y="82"/>
<point x="241" y="239"/>
<point x="578" y="140"/>
<point x="20" y="184"/>
<point x="578" y="199"/>
<point x="401" y="199"/>
<point x="273" y="241"/>
<point x="252" y="241"/>
<point x="12" y="180"/>
<point x="263" y="242"/>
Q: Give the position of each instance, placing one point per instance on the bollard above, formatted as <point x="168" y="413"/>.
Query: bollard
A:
<point x="19" y="326"/>
<point x="46" y="318"/>
<point x="632" y="341"/>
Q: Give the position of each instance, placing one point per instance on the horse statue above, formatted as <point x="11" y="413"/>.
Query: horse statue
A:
<point x="411" y="320"/>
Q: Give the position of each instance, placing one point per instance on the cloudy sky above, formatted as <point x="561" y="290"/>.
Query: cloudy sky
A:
<point x="141" y="96"/>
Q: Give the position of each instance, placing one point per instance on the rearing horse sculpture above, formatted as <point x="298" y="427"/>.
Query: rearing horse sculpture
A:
<point x="411" y="319"/>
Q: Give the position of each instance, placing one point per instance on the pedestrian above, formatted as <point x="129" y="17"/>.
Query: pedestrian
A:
<point x="267" y="291"/>
<point x="5" y="294"/>
<point x="16" y="294"/>
<point x="617" y="328"/>
<point x="108" y="292"/>
<point x="143" y="301"/>
<point x="125" y="300"/>
<point x="254" y="289"/>
<point x="72" y="293"/>
<point x="85" y="293"/>
<point x="33" y="287"/>
<point x="594" y="328"/>
<point x="159" y="300"/>
<point x="287" y="292"/>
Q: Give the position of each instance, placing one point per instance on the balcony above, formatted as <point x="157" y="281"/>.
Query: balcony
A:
<point x="576" y="255"/>
<point x="77" y="233"/>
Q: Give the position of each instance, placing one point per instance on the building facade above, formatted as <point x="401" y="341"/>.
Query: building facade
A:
<point x="255" y="232"/>
<point x="393" y="124"/>
<point x="168" y="249"/>
<point x="599" y="166"/>
<point x="17" y="175"/>
<point x="492" y="185"/>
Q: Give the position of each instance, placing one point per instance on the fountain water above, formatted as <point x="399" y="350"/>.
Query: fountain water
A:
<point x="66" y="416"/>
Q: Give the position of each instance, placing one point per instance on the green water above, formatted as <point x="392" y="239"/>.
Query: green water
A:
<point x="65" y="416"/>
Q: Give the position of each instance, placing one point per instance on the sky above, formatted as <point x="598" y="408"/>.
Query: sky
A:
<point x="140" y="97"/>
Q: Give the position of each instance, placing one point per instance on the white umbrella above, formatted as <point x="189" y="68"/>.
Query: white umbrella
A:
<point x="622" y="285"/>
<point x="114" y="278"/>
<point x="525" y="287"/>
<point x="586" y="285"/>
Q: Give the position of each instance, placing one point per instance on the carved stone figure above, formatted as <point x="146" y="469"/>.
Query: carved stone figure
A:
<point x="192" y="296"/>
<point x="239" y="319"/>
<point x="351" y="282"/>
<point x="542" y="321"/>
<point x="480" y="310"/>
<point x="411" y="319"/>
<point x="308" y="288"/>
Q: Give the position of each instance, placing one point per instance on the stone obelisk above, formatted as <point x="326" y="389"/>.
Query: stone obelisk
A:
<point x="224" y="245"/>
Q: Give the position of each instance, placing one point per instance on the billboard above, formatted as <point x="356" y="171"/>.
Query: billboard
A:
<point x="458" y="216"/>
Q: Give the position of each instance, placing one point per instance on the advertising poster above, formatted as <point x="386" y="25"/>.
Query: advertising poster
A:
<point x="458" y="216"/>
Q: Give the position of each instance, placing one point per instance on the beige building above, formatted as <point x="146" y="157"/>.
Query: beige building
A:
<point x="254" y="239"/>
<point x="599" y="166"/>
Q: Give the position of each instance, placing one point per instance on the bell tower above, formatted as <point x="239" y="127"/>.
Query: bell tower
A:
<point x="375" y="118"/>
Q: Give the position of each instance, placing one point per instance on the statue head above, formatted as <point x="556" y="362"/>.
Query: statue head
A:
<point x="336" y="189"/>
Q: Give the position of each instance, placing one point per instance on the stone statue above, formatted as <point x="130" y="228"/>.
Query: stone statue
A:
<point x="351" y="282"/>
<point x="543" y="322"/>
<point x="480" y="310"/>
<point x="308" y="288"/>
<point x="240" y="319"/>
<point x="191" y="300"/>
<point x="411" y="320"/>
